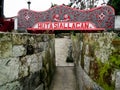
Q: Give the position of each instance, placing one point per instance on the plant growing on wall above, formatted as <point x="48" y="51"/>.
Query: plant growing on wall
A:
<point x="115" y="60"/>
<point x="104" y="79"/>
<point x="106" y="69"/>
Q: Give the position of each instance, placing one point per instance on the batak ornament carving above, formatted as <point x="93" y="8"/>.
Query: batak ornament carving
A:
<point x="66" y="18"/>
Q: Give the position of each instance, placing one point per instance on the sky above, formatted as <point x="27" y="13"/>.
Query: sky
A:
<point x="11" y="8"/>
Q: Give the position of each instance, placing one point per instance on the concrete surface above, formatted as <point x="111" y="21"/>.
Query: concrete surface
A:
<point x="61" y="51"/>
<point x="64" y="79"/>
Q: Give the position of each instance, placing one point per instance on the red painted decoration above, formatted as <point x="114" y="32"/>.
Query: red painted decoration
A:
<point x="67" y="18"/>
<point x="6" y="24"/>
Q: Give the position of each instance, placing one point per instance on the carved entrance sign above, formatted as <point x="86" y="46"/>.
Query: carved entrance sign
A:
<point x="64" y="26"/>
<point x="67" y="18"/>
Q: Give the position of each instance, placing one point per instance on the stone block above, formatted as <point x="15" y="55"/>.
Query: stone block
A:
<point x="46" y="46"/>
<point x="86" y="49"/>
<point x="45" y="37"/>
<point x="24" y="70"/>
<point x="40" y="63"/>
<point x="44" y="58"/>
<point x="38" y="38"/>
<point x="87" y="64"/>
<point x="30" y="64"/>
<point x="31" y="82"/>
<point x="51" y="36"/>
<point x="6" y="49"/>
<point x="18" y="50"/>
<point x="117" y="83"/>
<point x="52" y="53"/>
<point x="9" y="69"/>
<point x="43" y="74"/>
<point x="5" y="45"/>
<point x="39" y="47"/>
<point x="31" y="39"/>
<point x="117" y="22"/>
<point x="35" y="64"/>
<point x="47" y="67"/>
<point x="40" y="87"/>
<point x="19" y="39"/>
<point x="11" y="86"/>
<point x="5" y="37"/>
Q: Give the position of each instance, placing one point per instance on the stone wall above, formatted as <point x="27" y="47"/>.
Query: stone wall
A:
<point x="97" y="60"/>
<point x="27" y="61"/>
<point x="117" y="22"/>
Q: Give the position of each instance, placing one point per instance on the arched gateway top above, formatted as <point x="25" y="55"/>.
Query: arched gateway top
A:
<point x="66" y="18"/>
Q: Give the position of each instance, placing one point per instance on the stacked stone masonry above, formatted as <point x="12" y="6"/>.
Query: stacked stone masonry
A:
<point x="88" y="49"/>
<point x="27" y="61"/>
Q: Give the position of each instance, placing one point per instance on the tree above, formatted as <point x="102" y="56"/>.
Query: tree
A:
<point x="83" y="4"/>
<point x="1" y="8"/>
<point x="116" y="5"/>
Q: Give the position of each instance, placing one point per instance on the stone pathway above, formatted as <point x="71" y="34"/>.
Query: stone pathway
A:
<point x="64" y="78"/>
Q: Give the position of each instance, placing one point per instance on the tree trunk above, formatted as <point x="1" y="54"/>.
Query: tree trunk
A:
<point x="1" y="8"/>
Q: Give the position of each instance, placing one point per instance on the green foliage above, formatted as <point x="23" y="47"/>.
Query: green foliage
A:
<point x="115" y="60"/>
<point x="53" y="5"/>
<point x="103" y="74"/>
<point x="82" y="6"/>
<point x="73" y="36"/>
<point x="106" y="87"/>
<point x="116" y="5"/>
<point x="117" y="38"/>
<point x="105" y="70"/>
